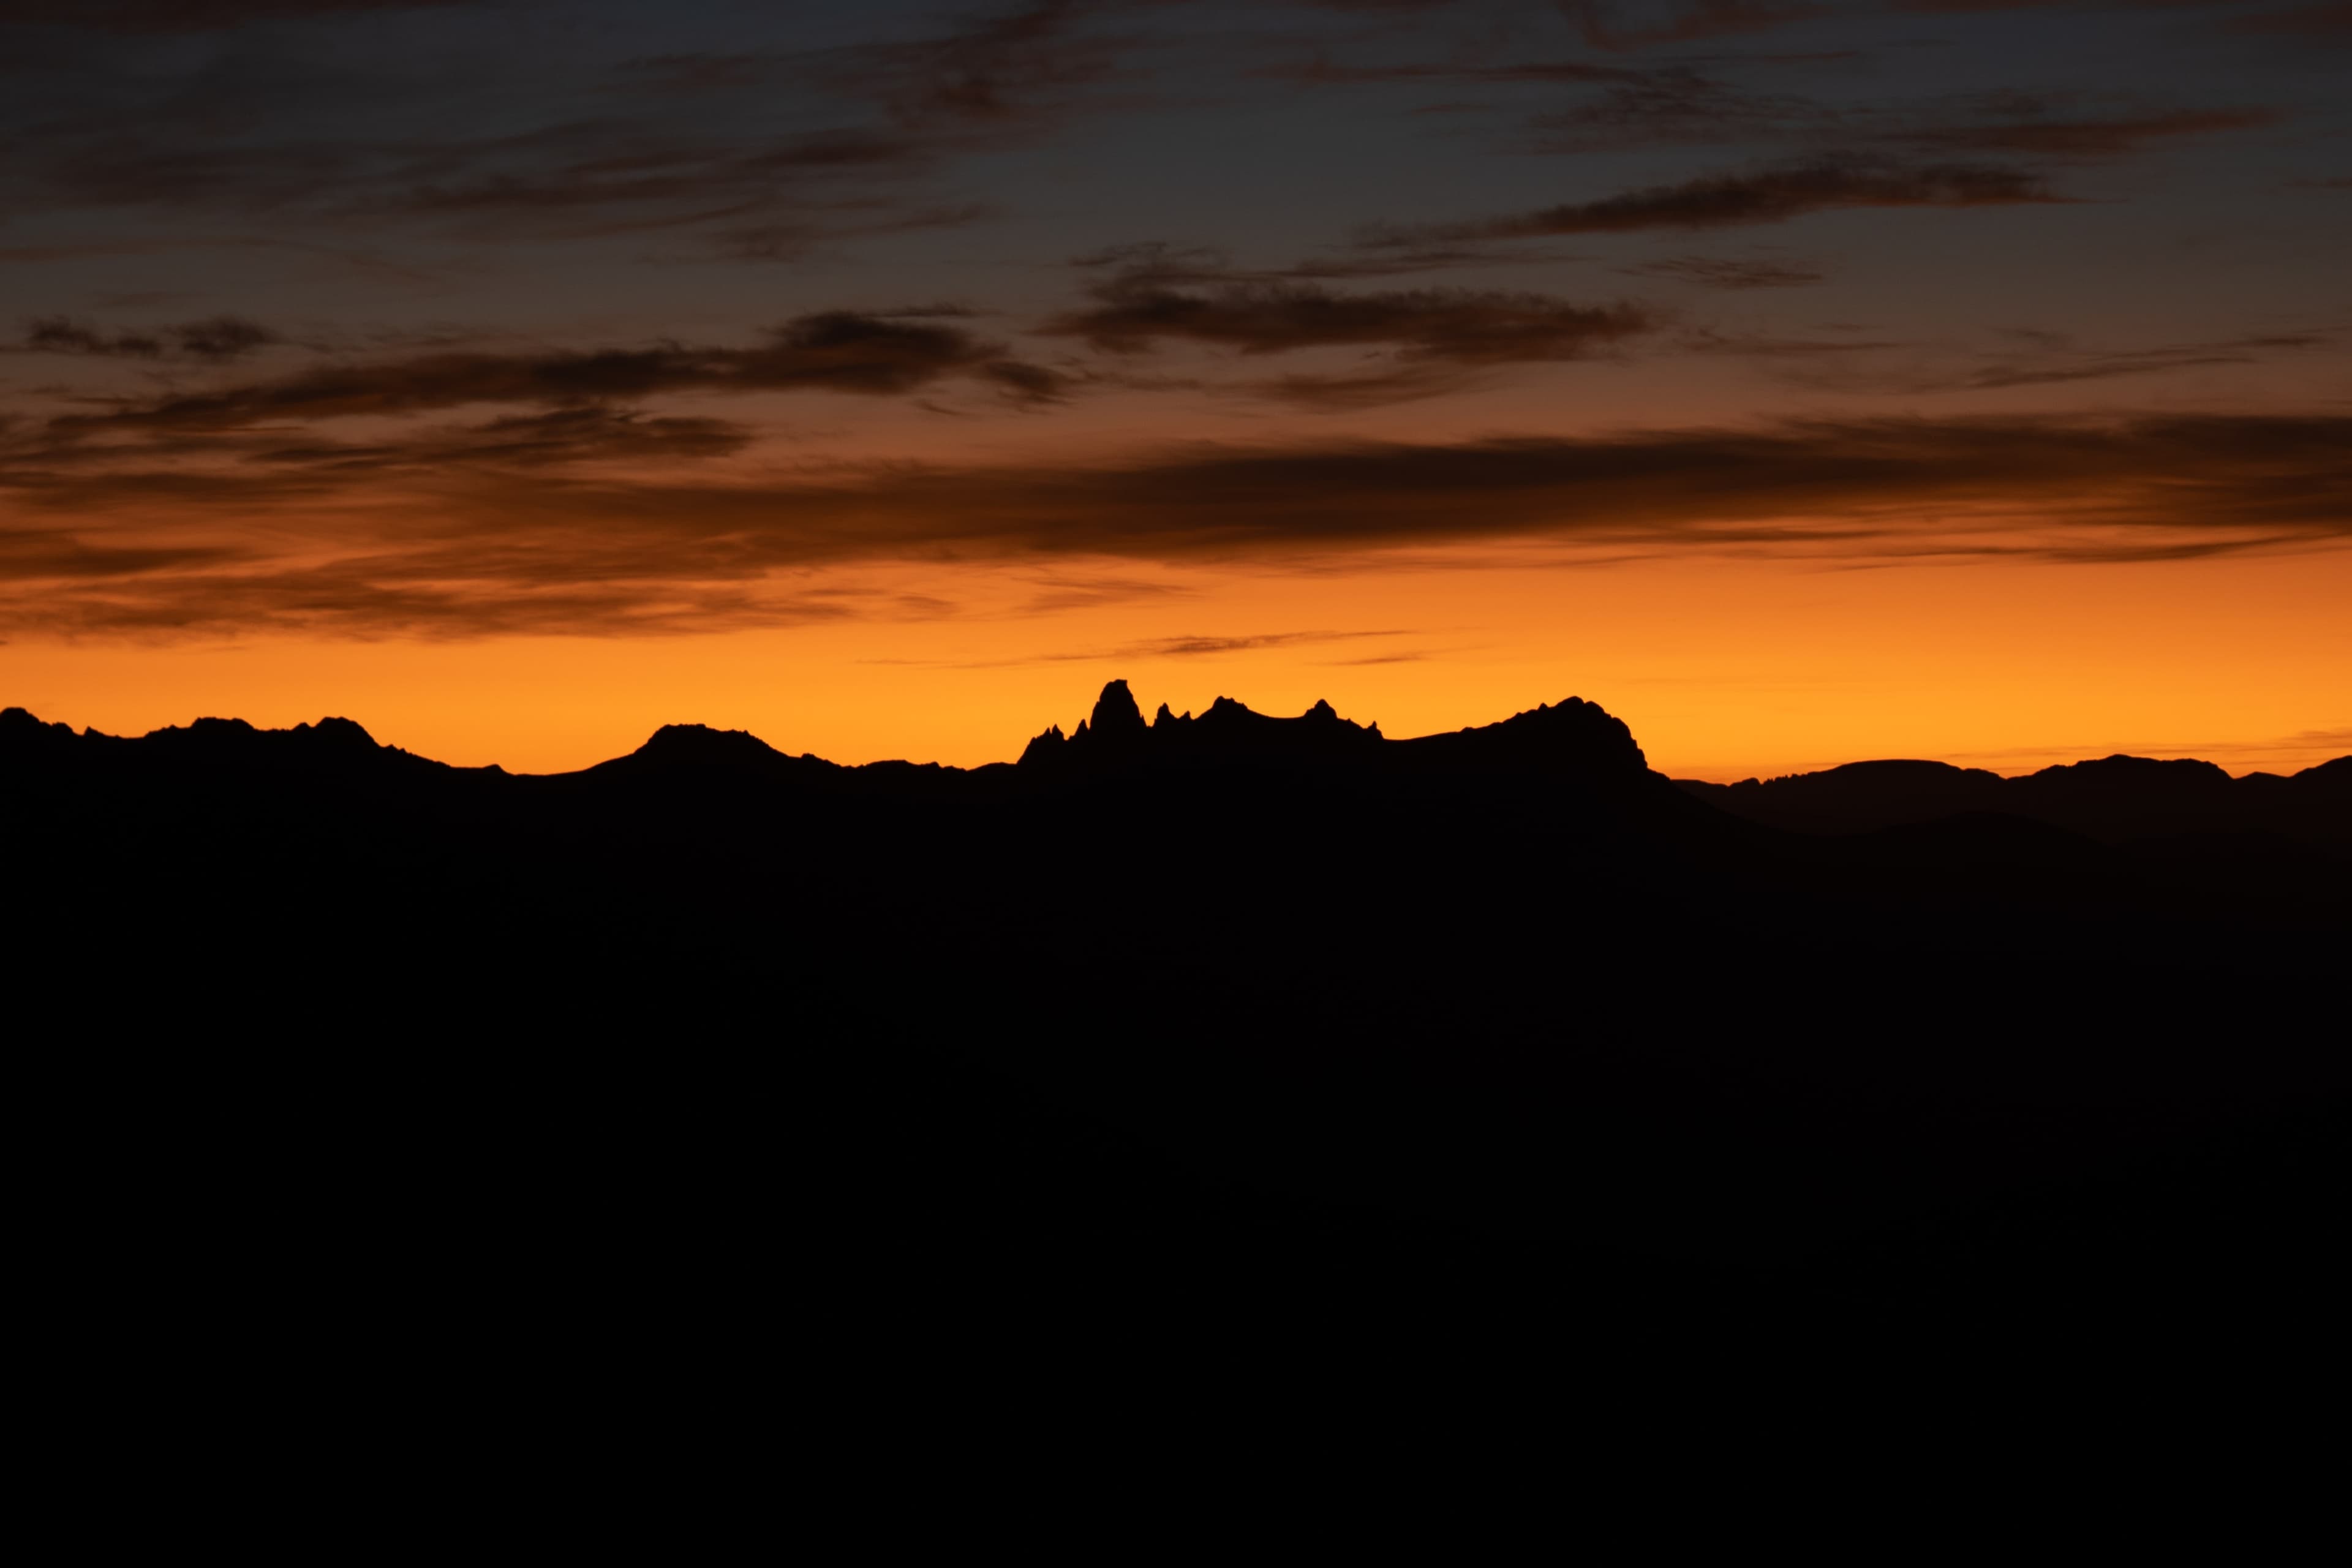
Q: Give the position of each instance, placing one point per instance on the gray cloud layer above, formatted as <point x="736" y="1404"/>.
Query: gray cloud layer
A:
<point x="501" y="548"/>
<point x="1767" y="195"/>
<point x="836" y="351"/>
<point x="215" y="339"/>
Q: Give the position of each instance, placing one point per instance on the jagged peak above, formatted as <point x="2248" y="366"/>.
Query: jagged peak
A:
<point x="1044" y="745"/>
<point x="1115" y="712"/>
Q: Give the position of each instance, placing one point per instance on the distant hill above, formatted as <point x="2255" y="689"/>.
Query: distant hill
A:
<point x="2112" y="799"/>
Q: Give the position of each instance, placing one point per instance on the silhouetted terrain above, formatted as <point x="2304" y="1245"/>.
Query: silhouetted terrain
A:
<point x="2115" y="799"/>
<point x="1193" y="1004"/>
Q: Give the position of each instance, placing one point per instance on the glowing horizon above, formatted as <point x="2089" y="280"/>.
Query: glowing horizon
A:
<point x="1804" y="387"/>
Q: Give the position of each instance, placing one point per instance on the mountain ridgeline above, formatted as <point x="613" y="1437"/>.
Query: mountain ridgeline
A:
<point x="1217" y="996"/>
<point x="2112" y="799"/>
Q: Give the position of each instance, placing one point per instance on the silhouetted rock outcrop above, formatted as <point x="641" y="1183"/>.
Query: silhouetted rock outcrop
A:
<point x="21" y="734"/>
<point x="1116" y="735"/>
<point x="1574" y="735"/>
<point x="698" y="745"/>
<point x="1116" y="720"/>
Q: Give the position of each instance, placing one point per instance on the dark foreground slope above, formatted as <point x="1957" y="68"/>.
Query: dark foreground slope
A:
<point x="1199" y="1006"/>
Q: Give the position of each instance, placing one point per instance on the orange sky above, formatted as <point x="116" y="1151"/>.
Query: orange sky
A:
<point x="1724" y="668"/>
<point x="1803" y="384"/>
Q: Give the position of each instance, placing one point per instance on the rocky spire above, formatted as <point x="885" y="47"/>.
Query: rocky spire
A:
<point x="1116" y="716"/>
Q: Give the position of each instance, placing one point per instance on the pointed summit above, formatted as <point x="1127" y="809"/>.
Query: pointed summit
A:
<point x="1117" y="714"/>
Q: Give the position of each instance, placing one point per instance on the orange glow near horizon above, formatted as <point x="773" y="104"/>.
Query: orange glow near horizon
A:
<point x="882" y="380"/>
<point x="1723" y="669"/>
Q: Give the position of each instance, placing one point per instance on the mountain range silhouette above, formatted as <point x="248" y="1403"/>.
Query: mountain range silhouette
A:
<point x="1197" y="999"/>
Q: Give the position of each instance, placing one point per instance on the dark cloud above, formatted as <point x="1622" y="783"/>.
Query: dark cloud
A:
<point x="195" y="15"/>
<point x="1639" y="24"/>
<point x="1025" y="383"/>
<point x="568" y="550"/>
<point x="1006" y="69"/>
<point x="1759" y="196"/>
<point x="789" y="240"/>
<point x="1434" y="341"/>
<point x="56" y="554"/>
<point x="1722" y="272"/>
<point x="1455" y="326"/>
<point x="1322" y="70"/>
<point x="1681" y="107"/>
<point x="768" y="153"/>
<point x="2036" y="358"/>
<point x="1776" y="345"/>
<point x="1620" y="25"/>
<point x="1201" y="647"/>
<point x="2327" y="22"/>
<point x="1346" y="392"/>
<point x="215" y="339"/>
<point x="2055" y="358"/>
<point x="563" y="436"/>
<point x="834" y="351"/>
<point x="1194" y="645"/>
<point x="1017" y="65"/>
<point x="782" y="193"/>
<point x="2090" y="138"/>
<point x="1632" y="106"/>
<point x="1158" y="264"/>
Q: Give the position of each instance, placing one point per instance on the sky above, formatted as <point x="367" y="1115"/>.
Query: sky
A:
<point x="1803" y="382"/>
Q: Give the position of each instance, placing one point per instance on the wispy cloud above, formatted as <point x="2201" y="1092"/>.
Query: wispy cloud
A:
<point x="2088" y="137"/>
<point x="197" y="15"/>
<point x="838" y="351"/>
<point x="2023" y="358"/>
<point x="1613" y="25"/>
<point x="1460" y="326"/>
<point x="1192" y="645"/>
<point x="214" y="339"/>
<point x="771" y="152"/>
<point x="1726" y="272"/>
<point x="1423" y="342"/>
<point x="1769" y="195"/>
<point x="290" y="544"/>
